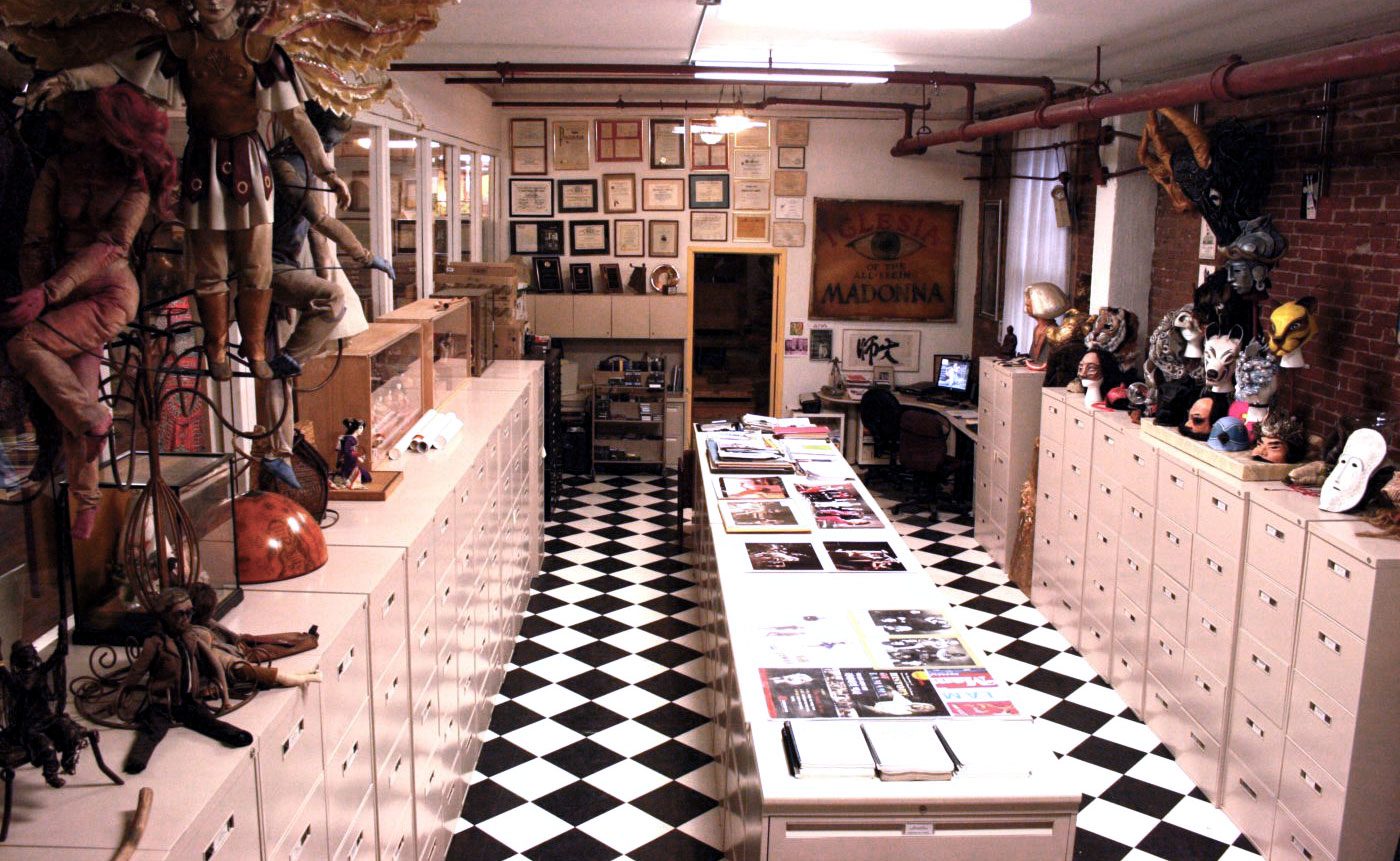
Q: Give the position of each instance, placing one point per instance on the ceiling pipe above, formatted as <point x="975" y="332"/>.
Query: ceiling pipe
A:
<point x="614" y="80"/>
<point x="1233" y="79"/>
<point x="763" y="104"/>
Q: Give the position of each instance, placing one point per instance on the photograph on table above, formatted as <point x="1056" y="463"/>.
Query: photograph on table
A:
<point x="808" y="639"/>
<point x="709" y="190"/>
<point x="805" y="692"/>
<point x="577" y="195"/>
<point x="832" y="491"/>
<point x="910" y="623"/>
<point x="948" y="651"/>
<point x="588" y="237"/>
<point x="769" y="515"/>
<point x="891" y="693"/>
<point x="765" y="487"/>
<point x="785" y="556"/>
<point x="668" y="144"/>
<point x="537" y="237"/>
<point x="844" y="514"/>
<point x="570" y="144"/>
<point x="629" y="237"/>
<point x="972" y="692"/>
<point x="862" y="556"/>
<point x="709" y="227"/>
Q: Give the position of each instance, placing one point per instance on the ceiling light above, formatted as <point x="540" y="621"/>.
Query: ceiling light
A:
<point x="789" y="78"/>
<point x="903" y="15"/>
<point x="364" y="143"/>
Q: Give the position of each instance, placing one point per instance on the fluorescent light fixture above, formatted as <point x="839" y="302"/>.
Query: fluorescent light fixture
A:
<point x="776" y="77"/>
<point x="364" y="143"/>
<point x="901" y="15"/>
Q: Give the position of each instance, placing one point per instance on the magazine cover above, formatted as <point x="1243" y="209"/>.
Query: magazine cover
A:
<point x="892" y="693"/>
<point x="804" y="693"/>
<point x="769" y="515"/>
<point x="830" y="491"/>
<point x="909" y="623"/>
<point x="768" y="487"/>
<point x="810" y="640"/>
<point x="863" y="556"/>
<point x="844" y="514"/>
<point x="785" y="556"/>
<point x="927" y="652"/>
<point x="972" y="693"/>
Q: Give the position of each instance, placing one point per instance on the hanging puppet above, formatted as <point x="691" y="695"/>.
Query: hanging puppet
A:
<point x="79" y="290"/>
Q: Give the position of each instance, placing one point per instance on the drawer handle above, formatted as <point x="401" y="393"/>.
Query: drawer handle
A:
<point x="1319" y="713"/>
<point x="1065" y="604"/>
<point x="1266" y="598"/>
<point x="1302" y="850"/>
<point x="1167" y="650"/>
<point x="1329" y="642"/>
<point x="1261" y="664"/>
<point x="1220" y="503"/>
<point x="393" y="689"/>
<point x="1074" y="517"/>
<point x="1196" y="741"/>
<point x="388" y="603"/>
<point x="1139" y="460"/>
<point x="1136" y="513"/>
<point x="290" y="742"/>
<point x="1249" y="790"/>
<point x="1163" y="703"/>
<point x="1171" y="596"/>
<point x="1340" y="570"/>
<point x="1074" y="468"/>
<point x="398" y="848"/>
<point x="220" y="838"/>
<point x="1108" y="439"/>
<point x="398" y="769"/>
<point x="1179" y="482"/>
<point x="1307" y="778"/>
<point x="1202" y="684"/>
<point x="1107" y="491"/>
<point x="355" y="847"/>
<point x="301" y="844"/>
<point x="350" y="760"/>
<point x="345" y="663"/>
<point x="1133" y="565"/>
<point x="1172" y="537"/>
<point x="1214" y="566"/>
<point x="422" y="560"/>
<point x="1132" y="617"/>
<point x="1103" y="539"/>
<point x="1273" y="531"/>
<point x="446" y="522"/>
<point x="1209" y="625"/>
<point x="1254" y="727"/>
<point x="423" y="640"/>
<point x="1100" y="587"/>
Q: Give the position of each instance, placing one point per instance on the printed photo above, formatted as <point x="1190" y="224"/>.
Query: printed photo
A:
<point x="785" y="556"/>
<point x="804" y="693"/>
<point x="773" y="515"/>
<point x="862" y="556"/>
<point x="752" y="488"/>
<point x="927" y="652"/>
<point x="844" y="514"/>
<point x="892" y="694"/>
<point x="838" y="491"/>
<point x="908" y="623"/>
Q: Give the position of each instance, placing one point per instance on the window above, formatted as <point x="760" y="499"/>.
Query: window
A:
<point x="488" y="209"/>
<point x="466" y="163"/>
<point x="352" y="159"/>
<point x="442" y="218"/>
<point x="403" y="215"/>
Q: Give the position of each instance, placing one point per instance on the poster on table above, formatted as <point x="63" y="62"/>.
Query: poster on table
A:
<point x="866" y="348"/>
<point x="884" y="260"/>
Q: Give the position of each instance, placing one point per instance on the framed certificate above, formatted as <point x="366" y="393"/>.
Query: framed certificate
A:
<point x="790" y="183"/>
<point x="668" y="144"/>
<point x="789" y="234"/>
<point x="709" y="156"/>
<point x="789" y="208"/>
<point x="578" y="195"/>
<point x="537" y="237"/>
<point x="750" y="227"/>
<point x="753" y="164"/>
<point x="791" y="132"/>
<point x="629" y="237"/>
<point x="528" y="141"/>
<point x="789" y="157"/>
<point x="528" y="160"/>
<point x="709" y="227"/>
<point x="588" y="237"/>
<point x="754" y="138"/>
<point x="619" y="192"/>
<point x="531" y="198"/>
<point x="709" y="191"/>
<point x="618" y="140"/>
<point x="570" y="144"/>
<point x="752" y="194"/>
<point x="664" y="238"/>
<point x="663" y="195"/>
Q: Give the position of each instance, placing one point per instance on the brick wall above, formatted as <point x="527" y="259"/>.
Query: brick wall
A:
<point x="1349" y="257"/>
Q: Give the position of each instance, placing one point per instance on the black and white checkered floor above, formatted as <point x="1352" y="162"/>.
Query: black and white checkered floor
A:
<point x="600" y="743"/>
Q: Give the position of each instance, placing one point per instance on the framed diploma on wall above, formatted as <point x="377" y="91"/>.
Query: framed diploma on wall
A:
<point x="578" y="195"/>
<point x="629" y="237"/>
<point x="588" y="237"/>
<point x="531" y="198"/>
<point x="619" y="192"/>
<point x="709" y="227"/>
<point x="571" y="144"/>
<point x="709" y="191"/>
<point x="663" y="195"/>
<point x="668" y="144"/>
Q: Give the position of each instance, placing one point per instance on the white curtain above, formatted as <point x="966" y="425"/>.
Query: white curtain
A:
<point x="1036" y="249"/>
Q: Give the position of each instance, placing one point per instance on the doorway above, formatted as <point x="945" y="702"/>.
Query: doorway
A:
<point x="736" y="302"/>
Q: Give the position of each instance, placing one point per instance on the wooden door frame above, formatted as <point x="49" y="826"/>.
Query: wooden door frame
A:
<point x="779" y="313"/>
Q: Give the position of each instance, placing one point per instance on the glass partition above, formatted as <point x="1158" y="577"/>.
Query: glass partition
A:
<point x="488" y="209"/>
<point x="442" y="219"/>
<point x="466" y="167"/>
<point x="352" y="157"/>
<point x="404" y="195"/>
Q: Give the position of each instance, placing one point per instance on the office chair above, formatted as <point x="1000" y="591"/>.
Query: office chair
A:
<point x="879" y="413"/>
<point x="923" y="452"/>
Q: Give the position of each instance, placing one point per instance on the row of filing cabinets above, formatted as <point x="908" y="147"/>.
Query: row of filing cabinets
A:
<point x="1007" y="420"/>
<point x="1248" y="627"/>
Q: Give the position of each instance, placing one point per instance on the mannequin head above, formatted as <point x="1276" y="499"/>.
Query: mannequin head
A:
<point x="1045" y="301"/>
<point x="1219" y="360"/>
<point x="1203" y="413"/>
<point x="1281" y="440"/>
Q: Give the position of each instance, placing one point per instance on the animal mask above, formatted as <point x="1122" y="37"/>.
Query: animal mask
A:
<point x="1254" y="253"/>
<point x="1291" y="325"/>
<point x="1115" y="330"/>
<point x="1219" y="362"/>
<point x="1168" y="348"/>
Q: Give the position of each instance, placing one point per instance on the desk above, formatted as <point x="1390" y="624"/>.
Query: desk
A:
<point x="963" y="419"/>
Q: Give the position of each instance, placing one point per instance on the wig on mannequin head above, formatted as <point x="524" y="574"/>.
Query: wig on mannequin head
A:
<point x="1063" y="365"/>
<point x="132" y="125"/>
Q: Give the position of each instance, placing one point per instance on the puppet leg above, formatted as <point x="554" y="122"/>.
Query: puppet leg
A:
<point x="83" y="494"/>
<point x="252" y="256"/>
<point x="208" y="250"/>
<point x="319" y="304"/>
<point x="150" y="732"/>
<point x="196" y="716"/>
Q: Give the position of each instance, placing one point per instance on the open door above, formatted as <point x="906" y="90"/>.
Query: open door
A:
<point x="734" y="348"/>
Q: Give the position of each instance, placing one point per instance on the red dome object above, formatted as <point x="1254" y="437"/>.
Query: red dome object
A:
<point x="277" y="539"/>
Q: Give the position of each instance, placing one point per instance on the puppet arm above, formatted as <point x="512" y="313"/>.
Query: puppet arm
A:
<point x="308" y="142"/>
<point x="111" y="245"/>
<point x="40" y="231"/>
<point x="216" y="669"/>
<point x="75" y="80"/>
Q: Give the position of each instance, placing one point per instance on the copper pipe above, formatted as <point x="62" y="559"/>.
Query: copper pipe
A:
<point x="606" y="80"/>
<point x="763" y="104"/>
<point x="1232" y="79"/>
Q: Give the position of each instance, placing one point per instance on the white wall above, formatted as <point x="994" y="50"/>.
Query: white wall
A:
<point x="462" y="111"/>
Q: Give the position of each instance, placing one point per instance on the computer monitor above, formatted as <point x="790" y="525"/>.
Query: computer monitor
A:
<point x="954" y="376"/>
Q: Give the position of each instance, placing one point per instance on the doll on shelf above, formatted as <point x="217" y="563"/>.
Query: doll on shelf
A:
<point x="79" y="290"/>
<point x="224" y="74"/>
<point x="350" y="468"/>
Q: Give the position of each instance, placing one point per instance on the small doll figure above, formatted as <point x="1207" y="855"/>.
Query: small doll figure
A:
<point x="1008" y="344"/>
<point x="1292" y="325"/>
<point x="350" y="469"/>
<point x="241" y="654"/>
<point x="79" y="290"/>
<point x="1220" y="354"/>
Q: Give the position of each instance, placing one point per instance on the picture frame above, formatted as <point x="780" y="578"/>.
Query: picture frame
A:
<point x="528" y="161"/>
<point x="789" y="234"/>
<point x="529" y="140"/>
<point x="709" y="191"/>
<point x="789" y="208"/>
<point x="990" y="246"/>
<point x="576" y="195"/>
<point x="618" y="140"/>
<point x="663" y="195"/>
<point x="792" y="157"/>
<point x="536" y="237"/>
<point x="663" y="238"/>
<point x="529" y="131"/>
<point x="753" y="164"/>
<point x="588" y="237"/>
<point x="531" y="198"/>
<point x="755" y="138"/>
<point x="790" y="183"/>
<point x="706" y="226"/>
<point x="619" y="192"/>
<point x="629" y="237"/>
<point x="405" y="235"/>
<point x="709" y="156"/>
<point x="753" y="194"/>
<point x="581" y="277"/>
<point x="751" y="227"/>
<point x="548" y="278"/>
<point x="667" y="144"/>
<point x="571" y="144"/>
<point x="611" y="276"/>
<point x="792" y="133"/>
<point x="869" y="349"/>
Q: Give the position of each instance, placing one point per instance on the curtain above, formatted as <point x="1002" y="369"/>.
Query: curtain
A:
<point x="1036" y="249"/>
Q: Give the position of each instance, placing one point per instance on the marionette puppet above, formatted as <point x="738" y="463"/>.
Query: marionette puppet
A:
<point x="224" y="74"/>
<point x="243" y="654"/>
<point x="78" y="288"/>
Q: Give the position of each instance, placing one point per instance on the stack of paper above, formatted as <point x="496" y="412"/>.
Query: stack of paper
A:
<point x="994" y="748"/>
<point x="827" y="748"/>
<point x="907" y="750"/>
<point x="744" y="452"/>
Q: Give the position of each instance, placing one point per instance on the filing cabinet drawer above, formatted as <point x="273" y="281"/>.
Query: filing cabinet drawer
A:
<point x="1066" y="616"/>
<point x="1071" y="574"/>
<point x="1330" y="656"/>
<point x="359" y="838"/>
<point x="1220" y="515"/>
<point x="1169" y="600"/>
<point x="444" y="536"/>
<point x="1128" y="675"/>
<point x="345" y="672"/>
<point x="951" y="837"/>
<point x="1074" y="525"/>
<point x="1108" y="446"/>
<point x="1131" y="626"/>
<point x="427" y="712"/>
<point x="982" y="467"/>
<point x="1262" y="675"/>
<point x="449" y="602"/>
<point x="1248" y="803"/>
<point x="422" y="648"/>
<point x="464" y="502"/>
<point x="1257" y="739"/>
<point x="1322" y="727"/>
<point x="1045" y="591"/>
<point x="1139" y="466"/>
<point x="1313" y="796"/>
<point x="289" y="762"/>
<point x="1047" y="530"/>
<point x="1268" y="612"/>
<point x="1001" y="470"/>
<point x="1203" y="694"/>
<point x="422" y="574"/>
<point x="1134" y="575"/>
<point x="1135" y="527"/>
<point x="454" y="789"/>
<point x="1098" y="595"/>
<point x="1165" y="657"/>
<point x="1052" y="418"/>
<point x="394" y="783"/>
<point x="1079" y="432"/>
<point x="227" y="829"/>
<point x="1209" y="637"/>
<point x="1101" y="550"/>
<point x="427" y="818"/>
<point x="1215" y="576"/>
<point x="388" y="619"/>
<point x="1162" y="710"/>
<point x="1074" y="481"/>
<point x="1096" y="643"/>
<point x="1199" y="757"/>
<point x="999" y="507"/>
<point x="1176" y="491"/>
<point x="1291" y="842"/>
<point x="1339" y="585"/>
<point x="1275" y="544"/>
<point x="391" y="704"/>
<point x="349" y="770"/>
<point x="1171" y="547"/>
<point x="305" y="839"/>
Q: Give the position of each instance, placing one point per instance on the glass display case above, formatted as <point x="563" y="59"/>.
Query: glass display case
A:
<point x="449" y="328"/>
<point x="106" y="608"/>
<point x="381" y="379"/>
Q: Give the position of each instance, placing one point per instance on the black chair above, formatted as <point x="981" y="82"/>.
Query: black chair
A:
<point x="879" y="414"/>
<point x="923" y="452"/>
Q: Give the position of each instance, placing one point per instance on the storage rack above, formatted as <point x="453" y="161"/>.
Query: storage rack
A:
<point x="554" y="433"/>
<point x="629" y="418"/>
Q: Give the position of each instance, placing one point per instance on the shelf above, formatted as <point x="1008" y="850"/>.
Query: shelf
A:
<point x="629" y="421"/>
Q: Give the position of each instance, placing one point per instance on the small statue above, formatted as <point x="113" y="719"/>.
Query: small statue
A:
<point x="1008" y="344"/>
<point x="350" y="468"/>
<point x="241" y="654"/>
<point x="1292" y="325"/>
<point x="1220" y="354"/>
<point x="1045" y="302"/>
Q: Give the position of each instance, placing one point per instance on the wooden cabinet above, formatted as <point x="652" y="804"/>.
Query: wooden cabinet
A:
<point x="593" y="316"/>
<point x="653" y="317"/>
<point x="670" y="316"/>
<point x="631" y="316"/>
<point x="554" y="315"/>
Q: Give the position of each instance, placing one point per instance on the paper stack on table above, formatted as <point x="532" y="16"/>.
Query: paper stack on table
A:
<point x="907" y="750"/>
<point x="827" y="749"/>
